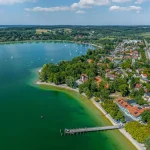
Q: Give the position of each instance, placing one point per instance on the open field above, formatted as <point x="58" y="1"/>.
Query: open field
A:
<point x="40" y="31"/>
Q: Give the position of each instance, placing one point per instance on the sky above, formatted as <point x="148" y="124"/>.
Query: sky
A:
<point x="74" y="12"/>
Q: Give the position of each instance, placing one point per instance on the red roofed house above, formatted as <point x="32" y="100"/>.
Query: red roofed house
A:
<point x="107" y="86"/>
<point x="107" y="70"/>
<point x="89" y="61"/>
<point x="137" y="86"/>
<point x="98" y="79"/>
<point x="132" y="111"/>
<point x="127" y="57"/>
<point x="144" y="76"/>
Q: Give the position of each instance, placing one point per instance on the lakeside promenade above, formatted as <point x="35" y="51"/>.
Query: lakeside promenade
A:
<point x="98" y="106"/>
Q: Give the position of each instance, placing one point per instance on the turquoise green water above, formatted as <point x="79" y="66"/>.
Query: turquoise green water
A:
<point x="23" y="104"/>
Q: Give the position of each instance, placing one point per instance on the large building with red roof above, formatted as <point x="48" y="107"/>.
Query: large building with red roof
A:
<point x="133" y="111"/>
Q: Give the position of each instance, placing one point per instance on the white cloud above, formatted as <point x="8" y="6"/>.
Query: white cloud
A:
<point x="75" y="6"/>
<point x="49" y="9"/>
<point x="8" y="2"/>
<point x="89" y="3"/>
<point x="130" y="8"/>
<point x="121" y="1"/>
<point x="139" y="1"/>
<point x="80" y="12"/>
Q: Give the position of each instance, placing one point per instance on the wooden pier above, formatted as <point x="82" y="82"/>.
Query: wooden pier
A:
<point x="92" y="129"/>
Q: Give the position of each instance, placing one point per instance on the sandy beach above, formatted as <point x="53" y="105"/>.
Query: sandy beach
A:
<point x="98" y="106"/>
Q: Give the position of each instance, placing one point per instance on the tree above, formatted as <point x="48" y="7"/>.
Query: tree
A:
<point x="124" y="89"/>
<point x="148" y="86"/>
<point x="96" y="99"/>
<point x="120" y="116"/>
<point x="81" y="88"/>
<point x="146" y="116"/>
<point x="126" y="64"/>
<point x="70" y="81"/>
<point x="111" y="65"/>
<point x="139" y="132"/>
<point x="132" y="83"/>
<point x="88" y="93"/>
<point x="111" y="87"/>
<point x="119" y="81"/>
<point x="147" y="143"/>
<point x="113" y="109"/>
<point x="93" y="87"/>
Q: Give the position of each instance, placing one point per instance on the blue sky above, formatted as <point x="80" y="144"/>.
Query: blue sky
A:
<point x="75" y="12"/>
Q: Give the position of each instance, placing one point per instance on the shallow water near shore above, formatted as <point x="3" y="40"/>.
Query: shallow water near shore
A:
<point x="22" y="103"/>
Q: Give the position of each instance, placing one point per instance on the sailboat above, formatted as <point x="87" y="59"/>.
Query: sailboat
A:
<point x="70" y="52"/>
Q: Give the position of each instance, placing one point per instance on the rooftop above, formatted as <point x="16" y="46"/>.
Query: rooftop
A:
<point x="135" y="111"/>
<point x="98" y="79"/>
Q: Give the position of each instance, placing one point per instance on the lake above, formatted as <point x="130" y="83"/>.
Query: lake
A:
<point x="22" y="104"/>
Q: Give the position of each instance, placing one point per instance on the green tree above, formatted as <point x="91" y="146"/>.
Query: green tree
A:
<point x="96" y="99"/>
<point x="70" y="81"/>
<point x="139" y="132"/>
<point x="148" y="86"/>
<point x="147" y="143"/>
<point x="111" y="65"/>
<point x="146" y="116"/>
<point x="126" y="64"/>
<point x="124" y="89"/>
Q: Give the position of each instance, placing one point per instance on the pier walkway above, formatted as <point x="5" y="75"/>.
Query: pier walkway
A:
<point x="93" y="129"/>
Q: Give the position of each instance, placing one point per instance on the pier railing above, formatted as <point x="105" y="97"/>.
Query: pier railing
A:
<point x="92" y="129"/>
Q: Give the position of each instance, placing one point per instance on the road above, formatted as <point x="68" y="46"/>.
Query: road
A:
<point x="147" y="51"/>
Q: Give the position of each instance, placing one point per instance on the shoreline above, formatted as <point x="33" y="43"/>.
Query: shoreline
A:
<point x="47" y="41"/>
<point x="99" y="107"/>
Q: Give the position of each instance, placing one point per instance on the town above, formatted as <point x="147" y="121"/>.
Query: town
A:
<point x="118" y="80"/>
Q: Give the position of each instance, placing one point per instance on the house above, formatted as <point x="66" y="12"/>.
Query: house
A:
<point x="137" y="87"/>
<point x="144" y="80"/>
<point x="110" y="76"/>
<point x="139" y="70"/>
<point x="136" y="75"/>
<point x="129" y="70"/>
<point x="127" y="57"/>
<point x="133" y="111"/>
<point x="107" y="70"/>
<point x="135" y="53"/>
<point x="107" y="86"/>
<point x="121" y="56"/>
<point x="135" y="57"/>
<point x="147" y="97"/>
<point x="98" y="79"/>
<point x="144" y="76"/>
<point x="110" y="58"/>
<point x="84" y="77"/>
<point x="89" y="61"/>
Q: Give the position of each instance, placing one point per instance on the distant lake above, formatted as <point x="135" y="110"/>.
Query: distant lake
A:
<point x="22" y="104"/>
<point x="2" y="27"/>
